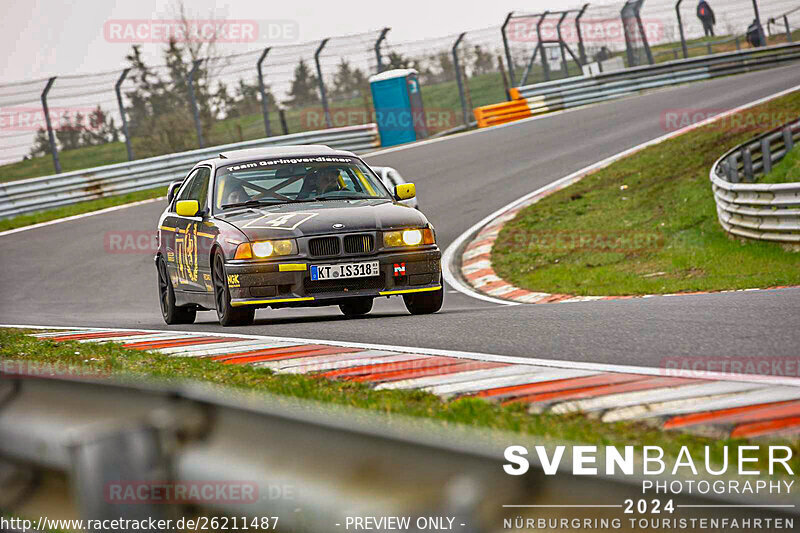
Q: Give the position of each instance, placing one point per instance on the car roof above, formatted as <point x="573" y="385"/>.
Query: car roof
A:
<point x="228" y="157"/>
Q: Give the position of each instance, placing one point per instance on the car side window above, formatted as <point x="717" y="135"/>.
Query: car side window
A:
<point x="196" y="187"/>
<point x="183" y="193"/>
<point x="200" y="187"/>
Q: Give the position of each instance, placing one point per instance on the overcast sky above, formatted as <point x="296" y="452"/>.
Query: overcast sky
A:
<point x="43" y="38"/>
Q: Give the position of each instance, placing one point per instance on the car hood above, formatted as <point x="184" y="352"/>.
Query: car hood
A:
<point x="323" y="218"/>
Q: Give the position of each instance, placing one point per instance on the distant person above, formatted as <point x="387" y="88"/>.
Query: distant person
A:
<point x="603" y="54"/>
<point x="706" y="16"/>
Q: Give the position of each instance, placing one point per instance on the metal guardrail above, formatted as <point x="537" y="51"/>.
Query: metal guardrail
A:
<point x="312" y="465"/>
<point x="762" y="211"/>
<point x="36" y="194"/>
<point x="582" y="90"/>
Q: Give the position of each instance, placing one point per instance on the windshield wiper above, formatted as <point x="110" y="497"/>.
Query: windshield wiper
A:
<point x="330" y="198"/>
<point x="249" y="203"/>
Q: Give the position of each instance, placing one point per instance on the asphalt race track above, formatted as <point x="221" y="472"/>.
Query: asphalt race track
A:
<point x="62" y="274"/>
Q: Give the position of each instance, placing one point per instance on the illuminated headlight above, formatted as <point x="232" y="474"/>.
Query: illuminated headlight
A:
<point x="412" y="237"/>
<point x="264" y="249"/>
<point x="408" y="237"/>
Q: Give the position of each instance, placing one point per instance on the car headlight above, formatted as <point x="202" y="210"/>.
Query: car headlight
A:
<point x="408" y="237"/>
<point x="264" y="249"/>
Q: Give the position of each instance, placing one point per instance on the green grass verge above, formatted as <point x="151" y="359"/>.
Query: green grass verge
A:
<point x="79" y="208"/>
<point x="644" y="225"/>
<point x="787" y="171"/>
<point x="115" y="360"/>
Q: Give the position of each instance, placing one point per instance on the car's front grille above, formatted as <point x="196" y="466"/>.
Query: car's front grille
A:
<point x="324" y="246"/>
<point x="355" y="284"/>
<point x="358" y="244"/>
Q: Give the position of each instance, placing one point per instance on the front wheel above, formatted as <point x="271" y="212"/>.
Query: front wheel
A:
<point x="424" y="303"/>
<point x="166" y="294"/>
<point x="356" y="307"/>
<point x="226" y="313"/>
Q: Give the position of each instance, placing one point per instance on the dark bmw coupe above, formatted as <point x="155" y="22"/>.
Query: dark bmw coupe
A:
<point x="292" y="226"/>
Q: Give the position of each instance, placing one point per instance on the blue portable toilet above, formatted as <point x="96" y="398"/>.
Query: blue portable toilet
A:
<point x="399" y="112"/>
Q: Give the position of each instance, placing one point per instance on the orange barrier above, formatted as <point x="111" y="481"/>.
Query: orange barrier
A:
<point x="491" y="115"/>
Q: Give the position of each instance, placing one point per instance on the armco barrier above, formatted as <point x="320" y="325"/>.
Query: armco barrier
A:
<point x="492" y="115"/>
<point x="582" y="90"/>
<point x="763" y="211"/>
<point x="36" y="194"/>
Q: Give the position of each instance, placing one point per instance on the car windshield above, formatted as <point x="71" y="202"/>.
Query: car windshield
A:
<point x="301" y="179"/>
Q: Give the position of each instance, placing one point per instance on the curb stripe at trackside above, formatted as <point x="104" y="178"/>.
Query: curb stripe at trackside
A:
<point x="599" y="391"/>
<point x="738" y="415"/>
<point x="520" y="362"/>
<point x="290" y="352"/>
<point x="334" y="362"/>
<point x="781" y="426"/>
<point x="82" y="336"/>
<point x="619" y="393"/>
<point x="378" y="368"/>
<point x="487" y="229"/>
<point x="518" y="391"/>
<point x="157" y="344"/>
<point x="247" y="359"/>
<point x="443" y="370"/>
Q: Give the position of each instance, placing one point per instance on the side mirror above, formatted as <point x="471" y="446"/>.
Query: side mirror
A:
<point x="405" y="191"/>
<point x="172" y="189"/>
<point x="187" y="208"/>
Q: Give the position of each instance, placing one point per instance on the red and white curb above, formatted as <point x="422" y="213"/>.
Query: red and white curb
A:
<point x="723" y="405"/>
<point x="475" y="261"/>
<point x="476" y="269"/>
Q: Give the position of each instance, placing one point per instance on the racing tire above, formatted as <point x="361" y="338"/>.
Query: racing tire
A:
<point x="166" y="295"/>
<point x="424" y="303"/>
<point x="356" y="307"/>
<point x="227" y="314"/>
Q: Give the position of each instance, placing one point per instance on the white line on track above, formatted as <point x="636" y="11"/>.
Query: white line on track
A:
<point x="449" y="268"/>
<point x="475" y="356"/>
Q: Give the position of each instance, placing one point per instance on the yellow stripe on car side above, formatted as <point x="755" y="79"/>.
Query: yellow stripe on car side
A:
<point x="167" y="228"/>
<point x="293" y="267"/>
<point x="276" y="301"/>
<point x="409" y="291"/>
<point x="207" y="235"/>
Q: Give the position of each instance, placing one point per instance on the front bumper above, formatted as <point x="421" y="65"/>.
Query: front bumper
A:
<point x="288" y="283"/>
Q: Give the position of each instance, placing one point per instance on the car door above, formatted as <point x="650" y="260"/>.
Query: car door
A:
<point x="188" y="253"/>
<point x="169" y="232"/>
